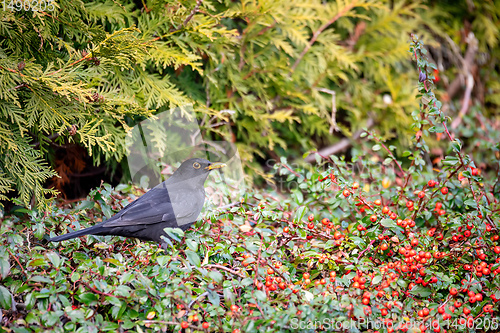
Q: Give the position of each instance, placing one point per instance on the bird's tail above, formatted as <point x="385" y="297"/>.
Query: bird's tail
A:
<point x="92" y="230"/>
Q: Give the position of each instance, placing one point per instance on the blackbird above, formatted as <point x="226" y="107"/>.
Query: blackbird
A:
<point x="175" y="203"/>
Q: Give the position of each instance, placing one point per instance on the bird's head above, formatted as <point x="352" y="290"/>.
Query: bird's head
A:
<point x="194" y="171"/>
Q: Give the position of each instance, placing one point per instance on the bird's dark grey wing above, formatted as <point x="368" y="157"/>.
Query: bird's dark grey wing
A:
<point x="156" y="207"/>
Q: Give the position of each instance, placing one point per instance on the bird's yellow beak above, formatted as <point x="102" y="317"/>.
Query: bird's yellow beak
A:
<point x="215" y="166"/>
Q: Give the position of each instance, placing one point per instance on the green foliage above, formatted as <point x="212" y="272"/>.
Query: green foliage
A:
<point x="285" y="76"/>
<point x="383" y="241"/>
<point x="267" y="68"/>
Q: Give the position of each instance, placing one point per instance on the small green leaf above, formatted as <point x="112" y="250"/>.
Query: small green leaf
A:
<point x="329" y="244"/>
<point x="86" y="204"/>
<point x="216" y="276"/>
<point x="387" y="161"/>
<point x="300" y="213"/>
<point x="358" y="241"/>
<point x="260" y="295"/>
<point x="213" y="297"/>
<point x="298" y="196"/>
<point x="376" y="280"/>
<point x="75" y="277"/>
<point x="4" y="268"/>
<point x="421" y="291"/>
<point x="193" y="258"/>
<point x="192" y="244"/>
<point x="450" y="160"/>
<point x="87" y="298"/>
<point x="5" y="298"/>
<point x="54" y="258"/>
<point x="229" y="295"/>
<point x="388" y="223"/>
<point x="106" y="210"/>
<point x="246" y="282"/>
<point x="470" y="202"/>
<point x="174" y="233"/>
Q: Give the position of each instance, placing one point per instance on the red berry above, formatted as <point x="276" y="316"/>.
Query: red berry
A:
<point x="373" y="218"/>
<point x="310" y="225"/>
<point x="184" y="324"/>
<point x="431" y="183"/>
<point x="311" y="217"/>
<point x="205" y="325"/>
<point x="346" y="193"/>
<point x="421" y="194"/>
<point x="444" y="190"/>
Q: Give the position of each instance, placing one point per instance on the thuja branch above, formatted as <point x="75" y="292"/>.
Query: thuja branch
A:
<point x="318" y="32"/>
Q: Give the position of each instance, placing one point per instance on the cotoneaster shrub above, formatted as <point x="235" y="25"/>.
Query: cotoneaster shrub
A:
<point x="381" y="241"/>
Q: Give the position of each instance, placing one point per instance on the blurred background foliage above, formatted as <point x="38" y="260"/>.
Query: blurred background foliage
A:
<point x="277" y="78"/>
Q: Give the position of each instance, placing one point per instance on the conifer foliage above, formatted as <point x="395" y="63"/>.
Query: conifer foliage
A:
<point x="84" y="72"/>
<point x="281" y="76"/>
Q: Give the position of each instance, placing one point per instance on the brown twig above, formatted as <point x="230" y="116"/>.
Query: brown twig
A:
<point x="391" y="154"/>
<point x="87" y="56"/>
<point x="292" y="171"/>
<point x="224" y="268"/>
<point x="194" y="11"/>
<point x="196" y="328"/>
<point x="465" y="103"/>
<point x="367" y="248"/>
<point x="17" y="260"/>
<point x="340" y="146"/>
<point x="51" y="137"/>
<point x="101" y="292"/>
<point x="11" y="70"/>
<point x="317" y="33"/>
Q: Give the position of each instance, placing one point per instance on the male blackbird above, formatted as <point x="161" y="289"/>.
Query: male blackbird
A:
<point x="175" y="203"/>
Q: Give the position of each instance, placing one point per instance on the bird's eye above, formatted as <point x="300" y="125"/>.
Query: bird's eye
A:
<point x="196" y="165"/>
